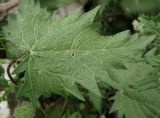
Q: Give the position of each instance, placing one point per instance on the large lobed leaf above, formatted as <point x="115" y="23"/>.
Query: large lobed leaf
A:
<point x="61" y="54"/>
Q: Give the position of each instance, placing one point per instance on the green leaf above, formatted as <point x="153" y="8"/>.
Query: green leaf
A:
<point x="68" y="52"/>
<point x="131" y="102"/>
<point x="25" y="110"/>
<point x="151" y="24"/>
<point x="3" y="81"/>
<point x="96" y="101"/>
<point x="53" y="4"/>
<point x="140" y="6"/>
<point x="132" y="6"/>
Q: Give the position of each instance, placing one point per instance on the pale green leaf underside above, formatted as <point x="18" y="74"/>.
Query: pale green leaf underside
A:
<point x="66" y="52"/>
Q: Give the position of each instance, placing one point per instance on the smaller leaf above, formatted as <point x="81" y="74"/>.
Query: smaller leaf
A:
<point x="96" y="101"/>
<point x="3" y="82"/>
<point x="25" y="110"/>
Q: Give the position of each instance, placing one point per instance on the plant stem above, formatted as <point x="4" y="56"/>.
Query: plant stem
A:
<point x="63" y="108"/>
<point x="9" y="67"/>
<point x="8" y="71"/>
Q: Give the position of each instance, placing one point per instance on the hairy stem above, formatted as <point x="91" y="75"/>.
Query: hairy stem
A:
<point x="8" y="71"/>
<point x="9" y="67"/>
